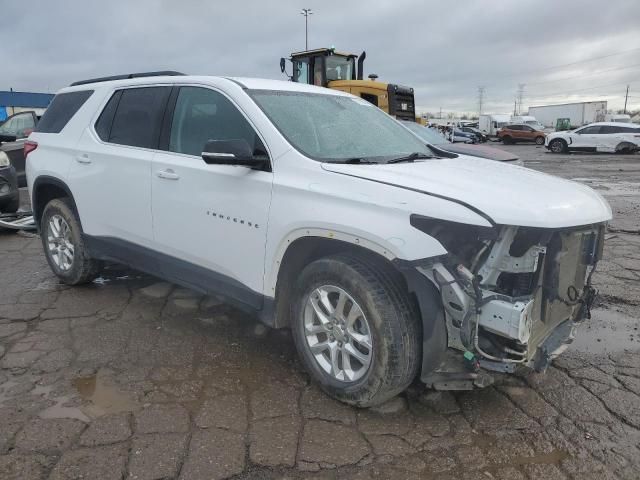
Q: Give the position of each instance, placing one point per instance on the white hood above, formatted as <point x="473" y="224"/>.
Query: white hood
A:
<point x="508" y="194"/>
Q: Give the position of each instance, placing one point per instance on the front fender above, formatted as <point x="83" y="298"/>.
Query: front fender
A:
<point x="411" y="244"/>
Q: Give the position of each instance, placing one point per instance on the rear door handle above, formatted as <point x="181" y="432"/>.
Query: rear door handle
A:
<point x="83" y="158"/>
<point x="168" y="174"/>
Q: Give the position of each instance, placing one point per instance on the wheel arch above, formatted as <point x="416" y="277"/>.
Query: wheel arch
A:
<point x="46" y="188"/>
<point x="306" y="249"/>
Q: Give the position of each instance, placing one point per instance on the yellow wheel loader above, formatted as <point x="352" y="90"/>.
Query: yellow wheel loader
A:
<point x="325" y="67"/>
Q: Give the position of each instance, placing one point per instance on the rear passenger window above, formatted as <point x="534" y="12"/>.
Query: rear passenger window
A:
<point x="514" y="127"/>
<point x="138" y="117"/>
<point x="103" y="125"/>
<point x="201" y="115"/>
<point x="62" y="108"/>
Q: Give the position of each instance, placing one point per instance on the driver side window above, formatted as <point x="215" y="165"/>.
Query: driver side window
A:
<point x="589" y="130"/>
<point x="201" y="115"/>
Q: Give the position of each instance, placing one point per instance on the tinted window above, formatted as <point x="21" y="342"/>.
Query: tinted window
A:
<point x="139" y="116"/>
<point x="62" y="108"/>
<point x="201" y="115"/>
<point x="103" y="125"/>
<point x="590" y="130"/>
<point x="514" y="127"/>
<point x="527" y="128"/>
<point x="628" y="130"/>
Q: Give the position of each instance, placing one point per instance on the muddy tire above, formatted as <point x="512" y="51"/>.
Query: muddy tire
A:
<point x="539" y="140"/>
<point x="63" y="245"/>
<point x="11" y="206"/>
<point x="356" y="329"/>
<point x="507" y="140"/>
<point x="558" y="146"/>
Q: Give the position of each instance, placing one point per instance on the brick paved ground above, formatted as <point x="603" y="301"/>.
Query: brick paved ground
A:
<point x="134" y="378"/>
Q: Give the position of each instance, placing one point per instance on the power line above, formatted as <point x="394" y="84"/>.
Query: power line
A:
<point x="572" y="63"/>
<point x="586" y="75"/>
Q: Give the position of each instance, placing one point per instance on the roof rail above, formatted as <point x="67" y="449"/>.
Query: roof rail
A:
<point x="168" y="73"/>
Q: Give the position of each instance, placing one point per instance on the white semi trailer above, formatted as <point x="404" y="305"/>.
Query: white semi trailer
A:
<point x="578" y="114"/>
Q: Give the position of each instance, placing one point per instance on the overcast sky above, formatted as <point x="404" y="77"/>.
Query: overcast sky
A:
<point x="445" y="50"/>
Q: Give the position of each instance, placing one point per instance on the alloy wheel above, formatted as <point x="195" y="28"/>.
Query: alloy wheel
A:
<point x="337" y="333"/>
<point x="59" y="243"/>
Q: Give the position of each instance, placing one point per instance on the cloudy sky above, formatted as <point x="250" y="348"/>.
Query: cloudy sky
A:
<point x="565" y="51"/>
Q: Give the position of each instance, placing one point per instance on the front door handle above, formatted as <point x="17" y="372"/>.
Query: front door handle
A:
<point x="168" y="174"/>
<point x="83" y="158"/>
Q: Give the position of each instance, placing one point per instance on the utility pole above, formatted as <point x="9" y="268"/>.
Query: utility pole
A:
<point x="306" y="12"/>
<point x="520" y="96"/>
<point x="440" y="116"/>
<point x="626" y="96"/>
<point x="480" y="100"/>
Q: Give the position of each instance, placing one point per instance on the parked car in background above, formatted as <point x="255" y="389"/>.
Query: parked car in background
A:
<point x="521" y="133"/>
<point x="597" y="137"/>
<point x="458" y="136"/>
<point x="438" y="144"/>
<point x="9" y="193"/>
<point x="13" y="132"/>
<point x="480" y="136"/>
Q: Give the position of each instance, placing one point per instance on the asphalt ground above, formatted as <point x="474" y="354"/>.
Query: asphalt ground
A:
<point x="131" y="377"/>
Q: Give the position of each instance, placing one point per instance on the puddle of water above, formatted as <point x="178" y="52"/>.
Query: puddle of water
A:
<point x="104" y="396"/>
<point x="608" y="331"/>
<point x="60" y="411"/>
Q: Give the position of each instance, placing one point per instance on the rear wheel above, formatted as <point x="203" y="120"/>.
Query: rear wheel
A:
<point x="558" y="146"/>
<point x="539" y="140"/>
<point x="64" y="246"/>
<point x="356" y="329"/>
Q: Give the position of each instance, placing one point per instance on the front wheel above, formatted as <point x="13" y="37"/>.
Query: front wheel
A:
<point x="507" y="140"/>
<point x="64" y="247"/>
<point x="558" y="146"/>
<point x="356" y="329"/>
<point x="539" y="140"/>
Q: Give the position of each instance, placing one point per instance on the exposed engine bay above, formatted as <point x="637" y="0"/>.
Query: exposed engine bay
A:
<point x="512" y="296"/>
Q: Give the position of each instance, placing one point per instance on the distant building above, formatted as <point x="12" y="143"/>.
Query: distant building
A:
<point x="14" y="102"/>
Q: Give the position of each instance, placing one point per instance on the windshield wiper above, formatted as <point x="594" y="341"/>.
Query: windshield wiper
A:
<point x="410" y="158"/>
<point x="354" y="160"/>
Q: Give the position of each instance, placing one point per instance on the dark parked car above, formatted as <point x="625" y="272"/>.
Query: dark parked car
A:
<point x="439" y="144"/>
<point x="480" y="136"/>
<point x="13" y="133"/>
<point x="521" y="133"/>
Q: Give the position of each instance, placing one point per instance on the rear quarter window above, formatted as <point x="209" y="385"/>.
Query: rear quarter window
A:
<point x="63" y="107"/>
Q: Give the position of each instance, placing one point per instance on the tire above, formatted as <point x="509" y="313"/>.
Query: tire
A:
<point x="11" y="206"/>
<point x="391" y="317"/>
<point x="57" y="240"/>
<point x="558" y="146"/>
<point x="507" y="140"/>
<point x="539" y="140"/>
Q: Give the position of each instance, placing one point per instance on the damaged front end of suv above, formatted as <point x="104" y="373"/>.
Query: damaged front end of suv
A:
<point x="512" y="296"/>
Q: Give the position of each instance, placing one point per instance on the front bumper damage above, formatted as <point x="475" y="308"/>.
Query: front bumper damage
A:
<point x="515" y="304"/>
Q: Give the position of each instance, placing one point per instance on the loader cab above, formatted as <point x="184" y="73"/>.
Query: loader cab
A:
<point x="324" y="67"/>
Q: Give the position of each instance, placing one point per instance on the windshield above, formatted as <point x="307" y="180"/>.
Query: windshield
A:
<point x="334" y="128"/>
<point x="339" y="68"/>
<point x="427" y="134"/>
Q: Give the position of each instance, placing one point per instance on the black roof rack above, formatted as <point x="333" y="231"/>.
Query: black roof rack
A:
<point x="168" y="73"/>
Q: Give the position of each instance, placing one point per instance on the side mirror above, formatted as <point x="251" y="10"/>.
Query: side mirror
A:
<point x="231" y="152"/>
<point x="7" y="138"/>
<point x="283" y="64"/>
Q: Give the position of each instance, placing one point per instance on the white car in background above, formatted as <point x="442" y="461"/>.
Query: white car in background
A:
<point x="612" y="137"/>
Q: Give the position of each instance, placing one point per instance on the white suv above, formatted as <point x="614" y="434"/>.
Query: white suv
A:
<point x="318" y="212"/>
<point x="612" y="137"/>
